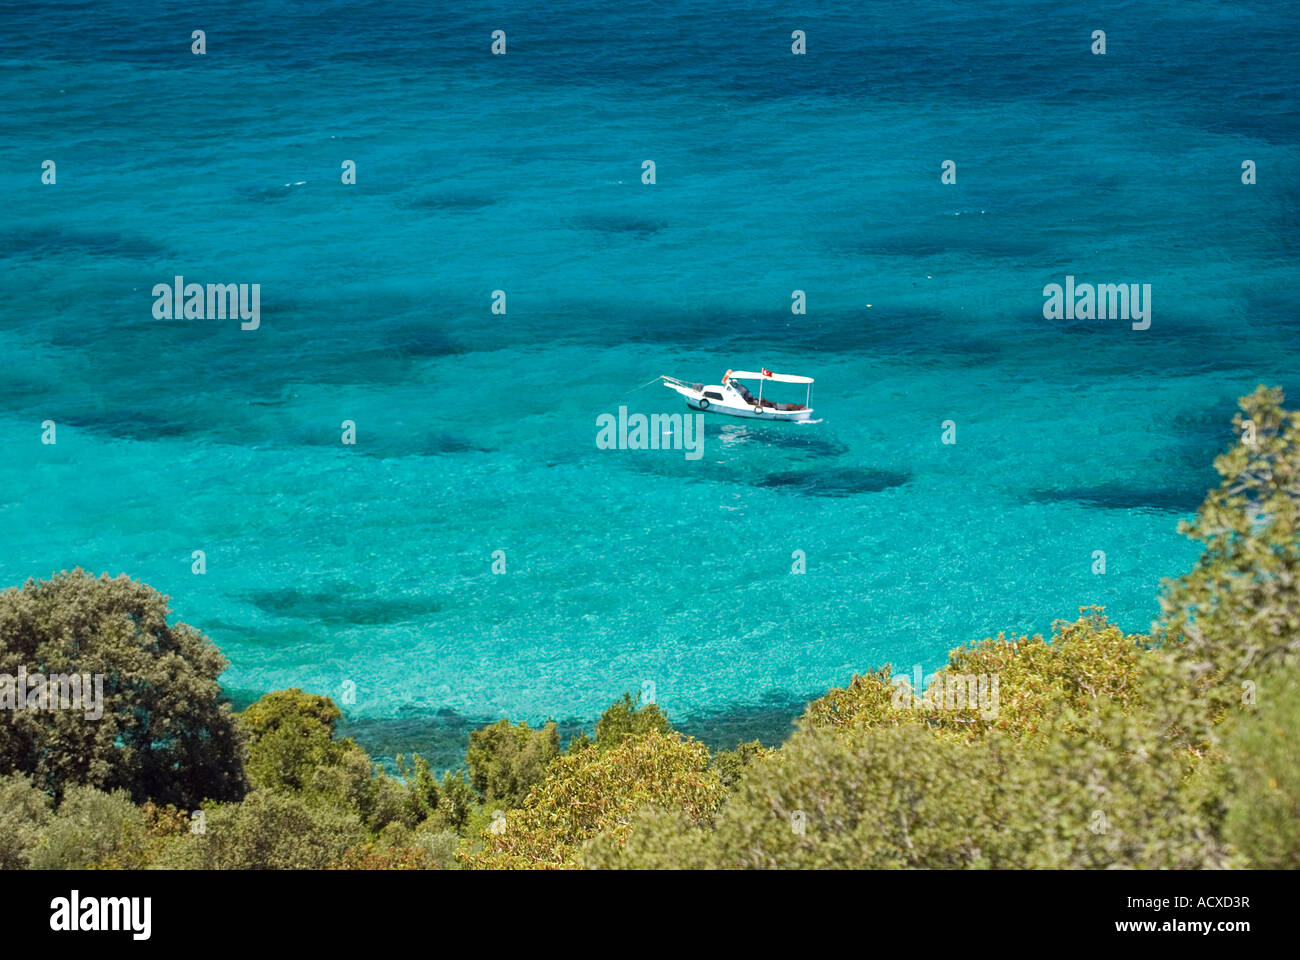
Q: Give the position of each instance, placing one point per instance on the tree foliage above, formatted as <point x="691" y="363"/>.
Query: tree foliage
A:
<point x="273" y="830"/>
<point x="1235" y="617"/>
<point x="597" y="790"/>
<point x="1263" y="808"/>
<point x="625" y="718"/>
<point x="1095" y="792"/>
<point x="506" y="761"/>
<point x="292" y="748"/>
<point x="24" y="811"/>
<point x="92" y="829"/>
<point x="1026" y="684"/>
<point x="166" y="733"/>
<point x="290" y="736"/>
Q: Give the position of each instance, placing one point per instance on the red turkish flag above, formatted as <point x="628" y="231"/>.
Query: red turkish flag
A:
<point x="767" y="372"/>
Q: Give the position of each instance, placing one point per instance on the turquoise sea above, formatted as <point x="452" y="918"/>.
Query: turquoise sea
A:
<point x="331" y="565"/>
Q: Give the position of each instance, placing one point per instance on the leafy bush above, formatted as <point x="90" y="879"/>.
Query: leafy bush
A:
<point x="505" y="761"/>
<point x="597" y="790"/>
<point x="92" y="829"/>
<point x="1235" y="618"/>
<point x="24" y="811"/>
<point x="292" y="748"/>
<point x="458" y="804"/>
<point x="166" y="733"/>
<point x="732" y="764"/>
<point x="1032" y="683"/>
<point x="290" y="736"/>
<point x="623" y="718"/>
<point x="398" y="848"/>
<point x="272" y="830"/>
<point x="873" y="797"/>
<point x="1263" y="808"/>
<point x="1097" y="791"/>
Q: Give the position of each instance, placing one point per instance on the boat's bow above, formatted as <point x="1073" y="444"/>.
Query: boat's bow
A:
<point x="687" y="389"/>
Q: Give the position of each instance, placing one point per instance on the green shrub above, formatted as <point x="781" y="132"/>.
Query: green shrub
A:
<point x="292" y="749"/>
<point x="597" y="790"/>
<point x="399" y="848"/>
<point x="166" y="733"/>
<point x="1098" y="792"/>
<point x="92" y="828"/>
<point x="867" y="798"/>
<point x="1263" y="808"/>
<point x="290" y="736"/>
<point x="1028" y="682"/>
<point x="505" y="761"/>
<point x="272" y="830"/>
<point x="732" y="764"/>
<point x="623" y="718"/>
<point x="24" y="812"/>
<point x="1235" y="618"/>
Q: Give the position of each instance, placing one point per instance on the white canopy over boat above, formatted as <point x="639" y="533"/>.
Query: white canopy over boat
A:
<point x="767" y="375"/>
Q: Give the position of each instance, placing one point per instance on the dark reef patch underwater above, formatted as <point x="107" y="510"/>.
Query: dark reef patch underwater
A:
<point x="834" y="481"/>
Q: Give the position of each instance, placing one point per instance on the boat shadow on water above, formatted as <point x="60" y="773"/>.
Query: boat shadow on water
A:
<point x="813" y="481"/>
<point x="776" y="437"/>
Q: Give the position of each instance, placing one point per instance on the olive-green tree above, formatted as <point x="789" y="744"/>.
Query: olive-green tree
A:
<point x="1099" y="791"/>
<point x="626" y="717"/>
<point x="292" y="748"/>
<point x="270" y="830"/>
<point x="1235" y="618"/>
<point x="92" y="828"/>
<point x="24" y="811"/>
<point x="1263" y="776"/>
<point x="505" y="761"/>
<point x="594" y="790"/>
<point x="166" y="732"/>
<point x="290" y="737"/>
<point x="1021" y="686"/>
<point x="866" y="798"/>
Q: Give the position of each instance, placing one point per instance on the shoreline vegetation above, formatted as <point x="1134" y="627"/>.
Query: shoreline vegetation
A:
<point x="1094" y="748"/>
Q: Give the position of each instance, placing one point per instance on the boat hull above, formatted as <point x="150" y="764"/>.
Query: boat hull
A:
<point x="727" y="401"/>
<point x="747" y="412"/>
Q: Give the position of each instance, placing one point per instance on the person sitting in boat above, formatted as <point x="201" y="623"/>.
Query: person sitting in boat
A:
<point x="749" y="398"/>
<point x="744" y="393"/>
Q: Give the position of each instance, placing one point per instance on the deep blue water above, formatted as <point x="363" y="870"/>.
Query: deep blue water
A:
<point x="476" y="432"/>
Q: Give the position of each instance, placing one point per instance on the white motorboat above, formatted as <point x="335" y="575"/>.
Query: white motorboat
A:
<point x="733" y="398"/>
